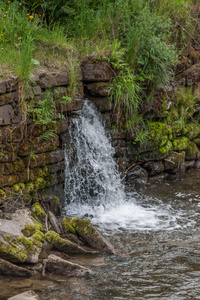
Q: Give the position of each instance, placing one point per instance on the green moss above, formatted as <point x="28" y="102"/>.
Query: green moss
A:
<point x="29" y="229"/>
<point x="67" y="226"/>
<point x="192" y="131"/>
<point x="180" y="144"/>
<point x="191" y="151"/>
<point x="166" y="149"/>
<point x="13" y="250"/>
<point x="83" y="226"/>
<point x="159" y="133"/>
<point x="39" y="183"/>
<point x="29" y="187"/>
<point x="38" y="236"/>
<point x="19" y="187"/>
<point x="56" y="200"/>
<point x="37" y="211"/>
<point x="28" y="244"/>
<point x="39" y="226"/>
<point x="54" y="238"/>
<point x="2" y="196"/>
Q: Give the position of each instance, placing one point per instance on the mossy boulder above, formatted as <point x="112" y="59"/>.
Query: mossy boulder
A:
<point x="159" y="133"/>
<point x="191" y="151"/>
<point x="67" y="227"/>
<point x="192" y="131"/>
<point x="157" y="154"/>
<point x="172" y="161"/>
<point x="180" y="143"/>
<point x="90" y="235"/>
<point x="63" y="244"/>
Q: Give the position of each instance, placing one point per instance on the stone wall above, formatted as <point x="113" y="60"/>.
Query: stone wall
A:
<point x="28" y="162"/>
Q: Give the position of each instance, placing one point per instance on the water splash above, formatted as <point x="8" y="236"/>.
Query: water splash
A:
<point x="93" y="186"/>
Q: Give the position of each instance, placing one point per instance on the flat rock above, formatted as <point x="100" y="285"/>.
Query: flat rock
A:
<point x="28" y="295"/>
<point x="7" y="268"/>
<point x="57" y="265"/>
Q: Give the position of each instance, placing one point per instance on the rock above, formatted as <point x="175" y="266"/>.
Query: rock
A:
<point x="96" y="71"/>
<point x="8" y="98"/>
<point x="99" y="89"/>
<point x="6" y="113"/>
<point x="154" y="167"/>
<point x="191" y="152"/>
<point x="103" y="104"/>
<point x="14" y="245"/>
<point x="53" y="79"/>
<point x="63" y="244"/>
<point x="180" y="143"/>
<point x="90" y="235"/>
<point x="172" y="161"/>
<point x="57" y="265"/>
<point x="7" y="268"/>
<point x="192" y="74"/>
<point x="192" y="131"/>
<point x="12" y="84"/>
<point x="2" y="87"/>
<point x="28" y="295"/>
<point x="137" y="177"/>
<point x="54" y="222"/>
<point x="190" y="164"/>
<point x="157" y="154"/>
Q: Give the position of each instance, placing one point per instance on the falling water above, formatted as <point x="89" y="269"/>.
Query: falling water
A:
<point x="93" y="186"/>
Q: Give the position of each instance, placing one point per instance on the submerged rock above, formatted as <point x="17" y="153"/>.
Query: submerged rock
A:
<point x="7" y="268"/>
<point x="29" y="295"/>
<point x="91" y="236"/>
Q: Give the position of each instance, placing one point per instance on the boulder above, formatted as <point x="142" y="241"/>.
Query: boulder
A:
<point x="7" y="268"/>
<point x="63" y="244"/>
<point x="172" y="162"/>
<point x="28" y="295"/>
<point x="53" y="79"/>
<point x="103" y="104"/>
<point x="136" y="177"/>
<point x="191" y="152"/>
<point x="57" y="265"/>
<point x="90" y="235"/>
<point x="14" y="245"/>
<point x="2" y="87"/>
<point x="154" y="167"/>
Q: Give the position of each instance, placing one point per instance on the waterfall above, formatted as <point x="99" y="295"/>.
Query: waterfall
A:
<point x="93" y="187"/>
<point x="91" y="172"/>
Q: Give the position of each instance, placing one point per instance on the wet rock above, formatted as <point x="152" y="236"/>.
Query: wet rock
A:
<point x="57" y="265"/>
<point x="137" y="177"/>
<point x="180" y="143"/>
<point x="189" y="164"/>
<point x="172" y="162"/>
<point x="90" y="235"/>
<point x="7" y="268"/>
<point x="157" y="154"/>
<point x="28" y="295"/>
<point x="96" y="71"/>
<point x="154" y="168"/>
<point x="63" y="244"/>
<point x="191" y="152"/>
<point x="103" y="104"/>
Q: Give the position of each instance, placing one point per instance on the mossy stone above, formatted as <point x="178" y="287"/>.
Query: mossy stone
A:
<point x="68" y="228"/>
<point x="159" y="133"/>
<point x="37" y="211"/>
<point x="181" y="143"/>
<point x="192" y="131"/>
<point x="2" y="196"/>
<point x="191" y="151"/>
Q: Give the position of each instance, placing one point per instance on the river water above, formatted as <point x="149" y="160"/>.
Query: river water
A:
<point x="155" y="233"/>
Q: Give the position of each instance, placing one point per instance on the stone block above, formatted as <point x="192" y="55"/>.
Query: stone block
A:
<point x="99" y="89"/>
<point x="53" y="79"/>
<point x="12" y="84"/>
<point x="6" y="113"/>
<point x="2" y="87"/>
<point x="96" y="71"/>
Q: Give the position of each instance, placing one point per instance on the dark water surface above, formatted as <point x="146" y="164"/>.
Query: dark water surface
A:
<point x="159" y="256"/>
